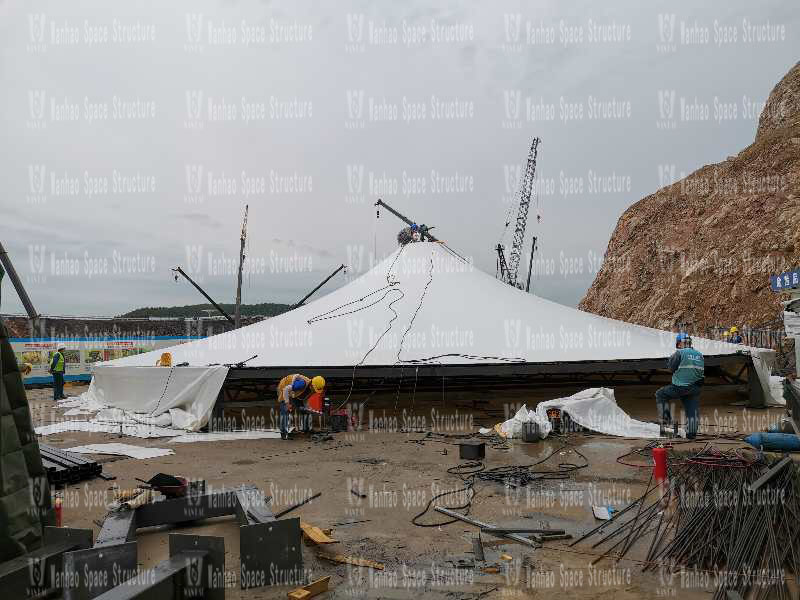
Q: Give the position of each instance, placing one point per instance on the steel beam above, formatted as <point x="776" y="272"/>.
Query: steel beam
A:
<point x="271" y="554"/>
<point x="324" y="281"/>
<point x="206" y="296"/>
<point x="94" y="571"/>
<point x="192" y="507"/>
<point x="5" y="260"/>
<point x="269" y="550"/>
<point x="41" y="570"/>
<point x="118" y="527"/>
<point x="195" y="569"/>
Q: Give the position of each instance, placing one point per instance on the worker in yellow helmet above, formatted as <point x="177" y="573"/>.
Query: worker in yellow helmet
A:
<point x="293" y="392"/>
<point x="734" y="336"/>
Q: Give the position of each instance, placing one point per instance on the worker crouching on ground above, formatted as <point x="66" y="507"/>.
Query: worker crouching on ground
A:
<point x="293" y="392"/>
<point x="688" y="370"/>
<point x="57" y="369"/>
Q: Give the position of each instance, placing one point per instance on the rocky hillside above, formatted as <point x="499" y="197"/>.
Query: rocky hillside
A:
<point x="699" y="253"/>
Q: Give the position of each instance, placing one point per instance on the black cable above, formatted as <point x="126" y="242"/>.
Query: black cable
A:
<point x="390" y="287"/>
<point x="326" y="316"/>
<point x="517" y="475"/>
<point x="466" y="472"/>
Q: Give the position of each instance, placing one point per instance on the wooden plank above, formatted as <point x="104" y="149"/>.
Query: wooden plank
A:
<point x="320" y="586"/>
<point x="315" y="534"/>
<point x="352" y="560"/>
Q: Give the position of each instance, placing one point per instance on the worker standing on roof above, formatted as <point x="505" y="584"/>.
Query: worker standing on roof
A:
<point x="735" y="337"/>
<point x="293" y="392"/>
<point x="688" y="372"/>
<point x="57" y="369"/>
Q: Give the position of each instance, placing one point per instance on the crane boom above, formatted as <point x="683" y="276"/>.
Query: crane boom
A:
<point x="525" y="192"/>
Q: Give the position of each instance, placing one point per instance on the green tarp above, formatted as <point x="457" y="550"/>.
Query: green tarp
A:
<point x="25" y="504"/>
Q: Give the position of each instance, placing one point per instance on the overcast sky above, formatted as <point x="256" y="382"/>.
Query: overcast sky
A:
<point x="134" y="136"/>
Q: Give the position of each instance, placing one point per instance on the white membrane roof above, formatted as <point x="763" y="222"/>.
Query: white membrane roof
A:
<point x="423" y="305"/>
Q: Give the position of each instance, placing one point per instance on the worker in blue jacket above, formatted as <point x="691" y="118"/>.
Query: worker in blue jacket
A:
<point x="688" y="371"/>
<point x="57" y="365"/>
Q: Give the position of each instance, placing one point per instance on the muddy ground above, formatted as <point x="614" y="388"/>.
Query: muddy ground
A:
<point x="400" y="472"/>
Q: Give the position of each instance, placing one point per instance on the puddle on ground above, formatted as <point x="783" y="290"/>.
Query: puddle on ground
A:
<point x="606" y="446"/>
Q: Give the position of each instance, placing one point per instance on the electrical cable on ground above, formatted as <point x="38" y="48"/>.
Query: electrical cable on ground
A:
<point x="510" y="475"/>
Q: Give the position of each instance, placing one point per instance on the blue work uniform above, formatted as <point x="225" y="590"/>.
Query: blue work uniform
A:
<point x="688" y="371"/>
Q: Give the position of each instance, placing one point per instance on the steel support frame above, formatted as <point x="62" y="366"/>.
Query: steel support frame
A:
<point x="491" y="375"/>
<point x="195" y="569"/>
<point x="500" y="370"/>
<point x="270" y="549"/>
<point x="41" y="571"/>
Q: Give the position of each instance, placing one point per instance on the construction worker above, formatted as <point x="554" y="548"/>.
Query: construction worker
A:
<point x="735" y="337"/>
<point x="293" y="391"/>
<point x="688" y="371"/>
<point x="57" y="370"/>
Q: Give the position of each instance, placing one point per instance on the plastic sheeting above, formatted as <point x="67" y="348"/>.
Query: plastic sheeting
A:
<point x="595" y="409"/>
<point x="177" y="397"/>
<point x="122" y="450"/>
<point x="139" y="430"/>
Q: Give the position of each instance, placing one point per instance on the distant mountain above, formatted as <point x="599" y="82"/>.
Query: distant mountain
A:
<point x="699" y="253"/>
<point x="265" y="309"/>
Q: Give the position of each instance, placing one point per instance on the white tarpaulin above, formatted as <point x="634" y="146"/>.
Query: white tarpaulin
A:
<point x="595" y="409"/>
<point x="178" y="397"/>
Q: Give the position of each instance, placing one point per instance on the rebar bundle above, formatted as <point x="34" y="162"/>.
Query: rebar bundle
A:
<point x="730" y="518"/>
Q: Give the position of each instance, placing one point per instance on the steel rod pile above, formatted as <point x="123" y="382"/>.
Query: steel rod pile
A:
<point x="734" y="520"/>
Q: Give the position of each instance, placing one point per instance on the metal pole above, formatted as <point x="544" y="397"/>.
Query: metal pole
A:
<point x="238" y="310"/>
<point x="402" y="218"/>
<point x="311" y="293"/>
<point x="530" y="265"/>
<point x="206" y="296"/>
<point x="512" y="536"/>
<point x="17" y="282"/>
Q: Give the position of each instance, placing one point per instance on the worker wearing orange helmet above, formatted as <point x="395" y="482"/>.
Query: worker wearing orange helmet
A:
<point x="293" y="392"/>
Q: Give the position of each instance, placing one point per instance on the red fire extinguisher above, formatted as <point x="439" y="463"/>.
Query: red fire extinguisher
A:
<point x="58" y="508"/>
<point x="660" y="464"/>
<point x="660" y="475"/>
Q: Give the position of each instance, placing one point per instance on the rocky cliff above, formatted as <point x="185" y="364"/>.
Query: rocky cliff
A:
<point x="699" y="252"/>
